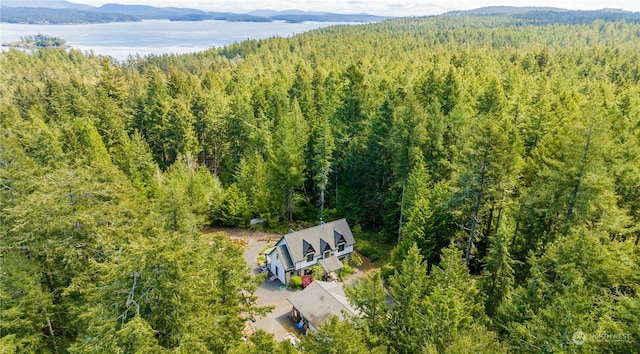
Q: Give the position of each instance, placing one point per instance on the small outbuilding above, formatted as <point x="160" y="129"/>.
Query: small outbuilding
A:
<point x="317" y="302"/>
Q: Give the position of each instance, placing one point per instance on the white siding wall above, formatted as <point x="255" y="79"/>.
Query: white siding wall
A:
<point x="304" y="264"/>
<point x="347" y="250"/>
<point x="275" y="262"/>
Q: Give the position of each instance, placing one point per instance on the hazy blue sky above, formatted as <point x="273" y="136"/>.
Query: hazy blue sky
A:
<point x="378" y="7"/>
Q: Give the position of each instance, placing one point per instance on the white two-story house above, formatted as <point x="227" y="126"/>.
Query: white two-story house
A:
<point x="297" y="251"/>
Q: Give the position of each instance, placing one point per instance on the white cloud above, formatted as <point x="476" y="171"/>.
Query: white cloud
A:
<point x="378" y="7"/>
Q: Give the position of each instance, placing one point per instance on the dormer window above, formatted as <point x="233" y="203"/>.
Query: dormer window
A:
<point x="326" y="249"/>
<point x="308" y="250"/>
<point x="340" y="241"/>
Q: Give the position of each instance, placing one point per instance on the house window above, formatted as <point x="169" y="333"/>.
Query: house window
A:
<point x="276" y="270"/>
<point x="310" y="257"/>
<point x="341" y="247"/>
<point x="327" y="254"/>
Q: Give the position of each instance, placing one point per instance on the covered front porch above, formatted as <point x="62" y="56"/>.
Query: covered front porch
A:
<point x="331" y="267"/>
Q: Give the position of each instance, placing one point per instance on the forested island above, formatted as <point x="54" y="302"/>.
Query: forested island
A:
<point x="488" y="163"/>
<point x="71" y="13"/>
<point x="38" y="41"/>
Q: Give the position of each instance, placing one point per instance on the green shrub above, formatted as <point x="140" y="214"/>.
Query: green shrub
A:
<point x="357" y="231"/>
<point x="354" y="259"/>
<point x="346" y="271"/>
<point x="317" y="272"/>
<point x="296" y="282"/>
<point x="370" y="252"/>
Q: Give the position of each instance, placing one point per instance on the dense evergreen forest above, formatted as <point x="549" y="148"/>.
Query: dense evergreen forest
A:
<point x="500" y="155"/>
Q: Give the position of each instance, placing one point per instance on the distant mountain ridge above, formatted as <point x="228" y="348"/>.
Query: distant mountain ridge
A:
<point x="176" y="14"/>
<point x="269" y="13"/>
<point x="39" y="15"/>
<point x="60" y="11"/>
<point x="547" y="15"/>
<point x="65" y="12"/>
<point x="517" y="10"/>
<point x="50" y="4"/>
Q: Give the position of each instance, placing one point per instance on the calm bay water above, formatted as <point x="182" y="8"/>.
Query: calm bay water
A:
<point x="122" y="39"/>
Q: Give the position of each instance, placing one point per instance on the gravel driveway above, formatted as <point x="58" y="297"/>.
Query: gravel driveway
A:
<point x="269" y="293"/>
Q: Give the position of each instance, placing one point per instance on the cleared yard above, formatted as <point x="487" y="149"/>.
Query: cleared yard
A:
<point x="270" y="293"/>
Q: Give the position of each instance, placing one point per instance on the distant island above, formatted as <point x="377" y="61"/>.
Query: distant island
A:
<point x="38" y="41"/>
<point x="64" y="12"/>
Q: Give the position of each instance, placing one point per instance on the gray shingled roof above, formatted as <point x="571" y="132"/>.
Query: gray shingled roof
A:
<point x="320" y="300"/>
<point x="329" y="233"/>
<point x="331" y="264"/>
<point x="285" y="258"/>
